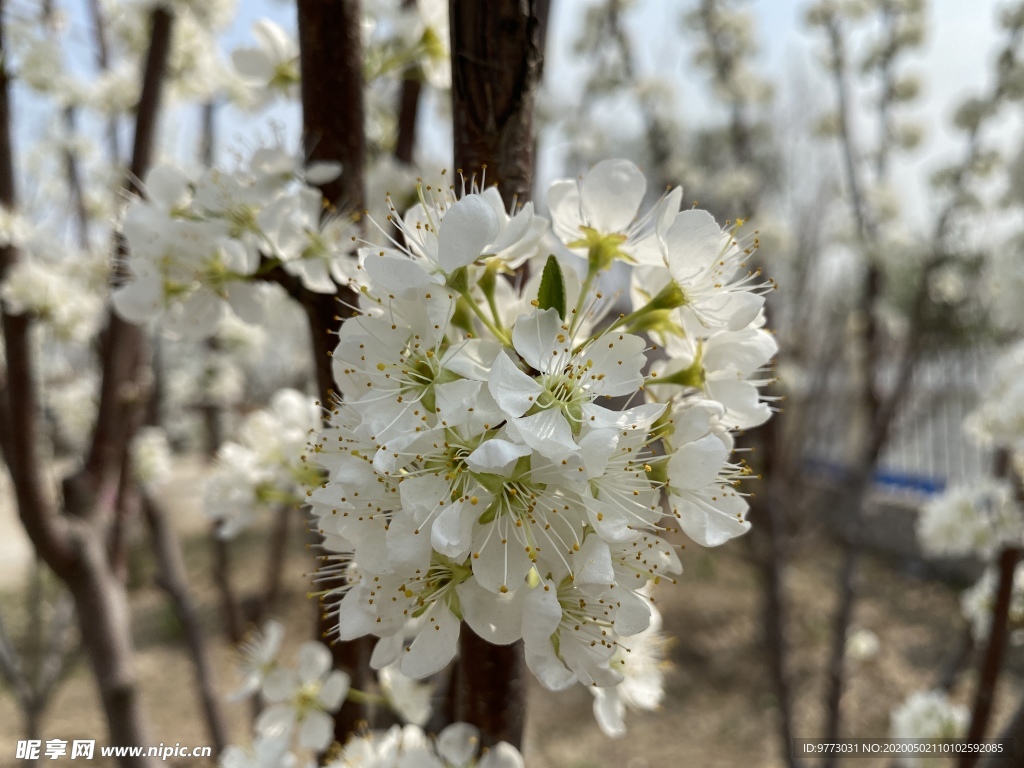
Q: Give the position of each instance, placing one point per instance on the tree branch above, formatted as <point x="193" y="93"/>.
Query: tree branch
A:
<point x="994" y="651"/>
<point x="173" y="579"/>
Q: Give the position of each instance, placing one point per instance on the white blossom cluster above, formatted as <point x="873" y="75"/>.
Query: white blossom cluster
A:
<point x="299" y="701"/>
<point x="61" y="293"/>
<point x="497" y="456"/>
<point x="977" y="520"/>
<point x="457" y="746"/>
<point x="999" y="419"/>
<point x="978" y="603"/>
<point x="642" y="665"/>
<point x="197" y="243"/>
<point x="927" y="715"/>
<point x="266" y="467"/>
<point x="195" y="70"/>
<point x="151" y="458"/>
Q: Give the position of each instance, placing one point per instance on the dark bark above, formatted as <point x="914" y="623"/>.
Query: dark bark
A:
<point x="1014" y="730"/>
<point x="122" y="389"/>
<point x="957" y="660"/>
<point x="102" y="606"/>
<point x="230" y="609"/>
<point x="488" y="688"/>
<point x="408" y="114"/>
<point x="497" y="58"/>
<point x="331" y="61"/>
<point x="173" y="579"/>
<point x="995" y="649"/>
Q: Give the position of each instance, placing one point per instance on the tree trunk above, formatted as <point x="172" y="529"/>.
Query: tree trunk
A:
<point x="331" y="60"/>
<point x="102" y="607"/>
<point x="497" y="57"/>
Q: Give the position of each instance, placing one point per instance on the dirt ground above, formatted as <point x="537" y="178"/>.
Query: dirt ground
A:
<point x="719" y="706"/>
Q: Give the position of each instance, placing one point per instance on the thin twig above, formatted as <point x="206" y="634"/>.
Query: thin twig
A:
<point x="995" y="649"/>
<point x="174" y="581"/>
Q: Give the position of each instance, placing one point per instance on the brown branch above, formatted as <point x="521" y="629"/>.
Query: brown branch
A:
<point x="995" y="649"/>
<point x="121" y="392"/>
<point x="408" y="113"/>
<point x="99" y="30"/>
<point x="49" y="535"/>
<point x="1014" y="731"/>
<point x="75" y="550"/>
<point x="488" y="688"/>
<point x="950" y="670"/>
<point x="277" y="549"/>
<point x="173" y="579"/>
<point x="229" y="605"/>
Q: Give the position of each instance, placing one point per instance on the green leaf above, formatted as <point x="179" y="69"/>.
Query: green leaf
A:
<point x="552" y="287"/>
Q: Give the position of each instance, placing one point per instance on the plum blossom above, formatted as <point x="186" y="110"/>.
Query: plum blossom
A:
<point x="493" y="458"/>
<point x="927" y="715"/>
<point x="976" y="520"/>
<point x="302" y="700"/>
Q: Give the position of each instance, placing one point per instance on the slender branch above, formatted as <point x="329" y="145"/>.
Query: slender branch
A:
<point x="123" y="354"/>
<point x="229" y="605"/>
<point x="277" y="549"/>
<point x="408" y="113"/>
<point x="950" y="671"/>
<point x="49" y="535"/>
<point x="994" y="651"/>
<point x="173" y="580"/>
<point x="99" y="29"/>
<point x="1014" y="731"/>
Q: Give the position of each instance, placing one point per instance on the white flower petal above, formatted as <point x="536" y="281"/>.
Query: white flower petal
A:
<point x="611" y="194"/>
<point x="277" y="721"/>
<point x="314" y="661"/>
<point x="497" y="618"/>
<point x="396" y="274"/>
<point x="546" y="432"/>
<point x="633" y="615"/>
<point x="712" y="526"/>
<point x="513" y="391"/>
<point x="592" y="564"/>
<point x="536" y="339"/>
<point x="452" y="531"/>
<point x="279" y="685"/>
<point x="502" y="755"/>
<point x="467" y="228"/>
<point x="609" y="712"/>
<point x="497" y="456"/>
<point x="387" y="650"/>
<point x="316" y="731"/>
<point x="692" y="242"/>
<point x="697" y="464"/>
<point x="334" y="690"/>
<point x="434" y="646"/>
<point x="458" y="743"/>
